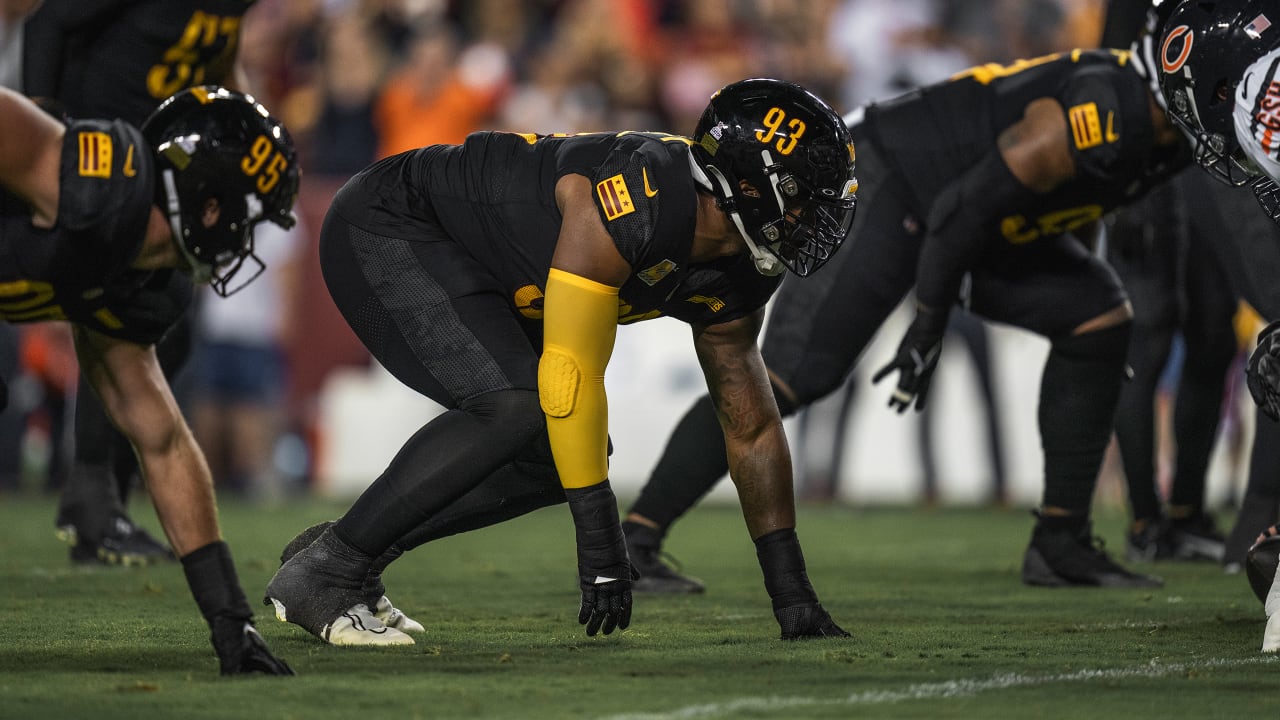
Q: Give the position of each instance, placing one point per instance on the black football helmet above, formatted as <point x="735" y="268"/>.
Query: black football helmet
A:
<point x="1204" y="51"/>
<point x="780" y="162"/>
<point x="1144" y="50"/>
<point x="224" y="165"/>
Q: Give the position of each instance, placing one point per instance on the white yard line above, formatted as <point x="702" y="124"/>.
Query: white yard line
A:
<point x="933" y="691"/>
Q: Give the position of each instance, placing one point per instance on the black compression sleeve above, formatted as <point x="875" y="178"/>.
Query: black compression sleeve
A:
<point x="601" y="547"/>
<point x="214" y="584"/>
<point x="784" y="573"/>
<point x="962" y="221"/>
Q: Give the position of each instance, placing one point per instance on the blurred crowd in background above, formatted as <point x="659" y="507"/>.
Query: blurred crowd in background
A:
<point x="358" y="80"/>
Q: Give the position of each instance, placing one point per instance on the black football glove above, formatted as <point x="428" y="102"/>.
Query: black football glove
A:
<point x="916" y="359"/>
<point x="795" y="603"/>
<point x="1263" y="373"/>
<point x="800" y="622"/>
<point x="605" y="605"/>
<point x="604" y="569"/>
<point x="241" y="650"/>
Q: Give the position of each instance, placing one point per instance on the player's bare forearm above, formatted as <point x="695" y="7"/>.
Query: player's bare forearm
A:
<point x="758" y="454"/>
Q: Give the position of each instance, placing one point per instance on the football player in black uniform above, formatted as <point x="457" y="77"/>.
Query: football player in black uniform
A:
<point x="491" y="277"/>
<point x="96" y="220"/>
<point x="120" y="59"/>
<point x="972" y="192"/>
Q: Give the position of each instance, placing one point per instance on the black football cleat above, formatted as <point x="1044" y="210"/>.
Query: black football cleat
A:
<point x="1074" y="558"/>
<point x="120" y="542"/>
<point x="375" y="593"/>
<point x="242" y="651"/>
<point x="321" y="589"/>
<point x="1146" y="544"/>
<point x="303" y="539"/>
<point x="1195" y="538"/>
<point x="644" y="546"/>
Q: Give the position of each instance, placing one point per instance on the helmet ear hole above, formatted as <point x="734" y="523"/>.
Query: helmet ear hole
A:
<point x="1223" y="92"/>
<point x="748" y="189"/>
<point x="210" y="212"/>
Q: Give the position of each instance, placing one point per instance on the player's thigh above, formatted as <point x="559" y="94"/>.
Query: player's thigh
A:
<point x="428" y="312"/>
<point x="1050" y="286"/>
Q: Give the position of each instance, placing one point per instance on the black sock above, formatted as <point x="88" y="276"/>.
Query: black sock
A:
<point x="1078" y="395"/>
<point x="1056" y="523"/>
<point x="211" y="574"/>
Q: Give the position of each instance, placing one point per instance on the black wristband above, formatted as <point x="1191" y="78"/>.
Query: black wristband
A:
<point x="599" y="534"/>
<point x="783" y="566"/>
<point x="212" y="577"/>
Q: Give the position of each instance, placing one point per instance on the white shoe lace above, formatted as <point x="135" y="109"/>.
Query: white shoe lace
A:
<point x="392" y="617"/>
<point x="359" y="626"/>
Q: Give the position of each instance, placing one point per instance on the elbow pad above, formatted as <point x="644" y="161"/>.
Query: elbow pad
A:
<point x="579" y="327"/>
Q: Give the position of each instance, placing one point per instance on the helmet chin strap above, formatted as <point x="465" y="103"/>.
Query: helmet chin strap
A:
<point x="766" y="263"/>
<point x="200" y="272"/>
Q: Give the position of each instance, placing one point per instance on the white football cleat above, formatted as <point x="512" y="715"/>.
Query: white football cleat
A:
<point x="392" y="617"/>
<point x="356" y="626"/>
<point x="1271" y="636"/>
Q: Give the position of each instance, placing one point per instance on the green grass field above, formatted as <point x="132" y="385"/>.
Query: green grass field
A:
<point x="941" y="627"/>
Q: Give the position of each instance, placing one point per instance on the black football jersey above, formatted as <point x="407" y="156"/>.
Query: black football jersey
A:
<point x="120" y="58"/>
<point x="936" y="133"/>
<point x="495" y="195"/>
<point x="78" y="270"/>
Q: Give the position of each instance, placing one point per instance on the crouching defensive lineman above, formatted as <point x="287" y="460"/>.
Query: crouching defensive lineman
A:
<point x="105" y="226"/>
<point x="491" y="277"/>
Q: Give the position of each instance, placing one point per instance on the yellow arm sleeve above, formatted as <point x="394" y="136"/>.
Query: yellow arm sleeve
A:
<point x="580" y="322"/>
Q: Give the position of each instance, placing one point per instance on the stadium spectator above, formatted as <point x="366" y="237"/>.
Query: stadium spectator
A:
<point x="240" y="372"/>
<point x="341" y="135"/>
<point x="440" y="94"/>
